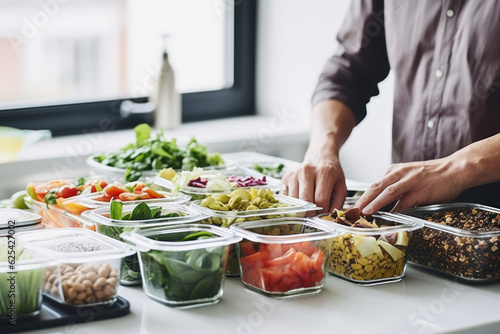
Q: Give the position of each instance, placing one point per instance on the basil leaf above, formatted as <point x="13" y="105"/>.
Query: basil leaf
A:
<point x="141" y="212"/>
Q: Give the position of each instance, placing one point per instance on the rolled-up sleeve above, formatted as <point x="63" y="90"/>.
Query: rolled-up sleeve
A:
<point x="352" y="74"/>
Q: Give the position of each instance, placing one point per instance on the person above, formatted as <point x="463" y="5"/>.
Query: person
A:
<point x="446" y="122"/>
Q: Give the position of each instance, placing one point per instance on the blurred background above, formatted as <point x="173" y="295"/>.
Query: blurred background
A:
<point x="233" y="64"/>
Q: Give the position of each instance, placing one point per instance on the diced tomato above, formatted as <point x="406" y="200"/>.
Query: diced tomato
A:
<point x="301" y="246"/>
<point x="291" y="270"/>
<point x="282" y="260"/>
<point x="310" y="251"/>
<point x="103" y="198"/>
<point x="114" y="190"/>
<point x="255" y="258"/>
<point x="67" y="191"/>
<point x="131" y="197"/>
<point x="314" y="279"/>
<point x="138" y="187"/>
<point x="271" y="276"/>
<point x="103" y="184"/>
<point x="288" y="283"/>
<point x="41" y="189"/>
<point x="274" y="250"/>
<point x="247" y="248"/>
<point x="317" y="260"/>
<point x="301" y="264"/>
<point x="286" y="247"/>
<point x="253" y="276"/>
<point x="152" y="193"/>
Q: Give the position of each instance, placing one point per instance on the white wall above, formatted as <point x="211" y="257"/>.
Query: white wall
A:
<point x="295" y="37"/>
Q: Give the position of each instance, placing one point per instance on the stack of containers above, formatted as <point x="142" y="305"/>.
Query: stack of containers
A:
<point x="21" y="296"/>
<point x="15" y="220"/>
<point x="100" y="220"/>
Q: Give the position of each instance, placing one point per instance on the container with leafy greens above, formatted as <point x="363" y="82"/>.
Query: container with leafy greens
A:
<point x="119" y="218"/>
<point x="21" y="284"/>
<point x="148" y="155"/>
<point x="183" y="265"/>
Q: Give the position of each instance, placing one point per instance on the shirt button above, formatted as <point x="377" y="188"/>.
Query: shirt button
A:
<point x="450" y="13"/>
<point x="430" y="124"/>
<point x="439" y="74"/>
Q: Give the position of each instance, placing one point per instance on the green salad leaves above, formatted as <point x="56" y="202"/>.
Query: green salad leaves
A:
<point x="157" y="153"/>
<point x="185" y="275"/>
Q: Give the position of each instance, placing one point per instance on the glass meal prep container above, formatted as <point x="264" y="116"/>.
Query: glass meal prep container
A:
<point x="183" y="265"/>
<point x="99" y="220"/>
<point x="22" y="275"/>
<point x="255" y="204"/>
<point x="56" y="217"/>
<point x="88" y="265"/>
<point x="228" y="171"/>
<point x="67" y="213"/>
<point x="283" y="257"/>
<point x="460" y="240"/>
<point x="373" y="250"/>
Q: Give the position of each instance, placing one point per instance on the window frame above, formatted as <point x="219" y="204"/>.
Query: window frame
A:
<point x="83" y="117"/>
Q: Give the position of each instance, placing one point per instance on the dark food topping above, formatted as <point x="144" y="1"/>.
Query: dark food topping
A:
<point x="471" y="219"/>
<point x="353" y="218"/>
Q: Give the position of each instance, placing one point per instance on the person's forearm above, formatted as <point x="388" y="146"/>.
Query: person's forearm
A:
<point x="479" y="162"/>
<point x="332" y="123"/>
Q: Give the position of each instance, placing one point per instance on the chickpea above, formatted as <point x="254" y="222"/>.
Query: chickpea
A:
<point x="99" y="283"/>
<point x="104" y="270"/>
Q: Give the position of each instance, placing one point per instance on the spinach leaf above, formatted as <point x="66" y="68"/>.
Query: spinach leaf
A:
<point x="141" y="212"/>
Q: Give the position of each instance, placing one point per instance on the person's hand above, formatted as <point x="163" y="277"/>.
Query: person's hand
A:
<point x="319" y="180"/>
<point x="411" y="184"/>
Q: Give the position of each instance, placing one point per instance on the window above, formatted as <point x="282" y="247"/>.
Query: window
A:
<point x="67" y="65"/>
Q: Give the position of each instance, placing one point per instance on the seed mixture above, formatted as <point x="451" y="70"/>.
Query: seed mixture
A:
<point x="76" y="245"/>
<point x="476" y="258"/>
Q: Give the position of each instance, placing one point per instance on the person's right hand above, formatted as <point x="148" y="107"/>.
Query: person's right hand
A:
<point x="319" y="180"/>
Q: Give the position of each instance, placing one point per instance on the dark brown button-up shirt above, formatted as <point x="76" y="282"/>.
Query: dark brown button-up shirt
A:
<point x="445" y="55"/>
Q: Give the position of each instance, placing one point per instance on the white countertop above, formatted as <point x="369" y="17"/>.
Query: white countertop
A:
<point x="421" y="303"/>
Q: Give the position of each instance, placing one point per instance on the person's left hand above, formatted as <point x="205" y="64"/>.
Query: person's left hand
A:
<point x="413" y="183"/>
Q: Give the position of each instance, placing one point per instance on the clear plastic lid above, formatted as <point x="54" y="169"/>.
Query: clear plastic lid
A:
<point x="416" y="214"/>
<point x="144" y="241"/>
<point x="91" y="201"/>
<point x="187" y="215"/>
<point x="293" y="205"/>
<point x="397" y="222"/>
<point x="21" y="218"/>
<point x="75" y="245"/>
<point x="229" y="170"/>
<point x="309" y="230"/>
